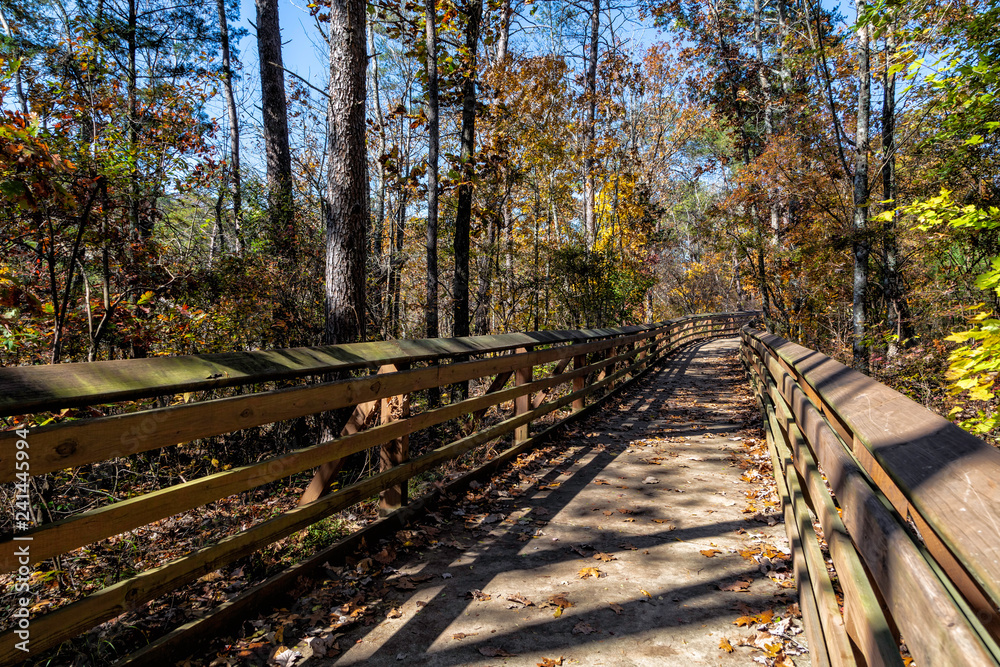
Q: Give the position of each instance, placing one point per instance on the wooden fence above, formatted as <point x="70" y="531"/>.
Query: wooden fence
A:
<point x="369" y="376"/>
<point x="908" y="504"/>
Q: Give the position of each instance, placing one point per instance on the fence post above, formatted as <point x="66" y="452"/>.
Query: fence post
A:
<point x="522" y="403"/>
<point x="579" y="382"/>
<point x="396" y="451"/>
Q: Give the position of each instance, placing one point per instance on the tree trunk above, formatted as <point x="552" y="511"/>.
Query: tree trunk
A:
<point x="433" y="140"/>
<point x="347" y="175"/>
<point x="141" y="226"/>
<point x="589" y="130"/>
<point x="275" y="115"/>
<point x="897" y="308"/>
<point x="235" y="180"/>
<point x="861" y="248"/>
<point x="503" y="38"/>
<point x="463" y="213"/>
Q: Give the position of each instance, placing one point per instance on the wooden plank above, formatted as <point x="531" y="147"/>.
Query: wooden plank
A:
<point x="949" y="478"/>
<point x="27" y="389"/>
<point x="86" y="441"/>
<point x="818" y="651"/>
<point x="936" y="633"/>
<point x="863" y="615"/>
<point x="834" y="631"/>
<point x="59" y="537"/>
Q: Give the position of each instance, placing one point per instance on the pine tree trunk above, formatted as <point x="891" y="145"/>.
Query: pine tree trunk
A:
<point x="235" y="180"/>
<point x="347" y="175"/>
<point x="860" y="246"/>
<point x="275" y="115"/>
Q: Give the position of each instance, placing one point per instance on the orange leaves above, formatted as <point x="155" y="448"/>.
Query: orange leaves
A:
<point x="725" y="645"/>
<point x="550" y="662"/>
<point x="589" y="572"/>
<point x="763" y="617"/>
<point x="710" y="553"/>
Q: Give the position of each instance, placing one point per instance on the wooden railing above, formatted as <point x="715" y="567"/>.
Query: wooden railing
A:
<point x="601" y="359"/>
<point x="908" y="503"/>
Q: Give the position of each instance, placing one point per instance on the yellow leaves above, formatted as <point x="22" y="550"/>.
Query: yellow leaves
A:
<point x="589" y="572"/>
<point x="550" y="662"/>
<point x="710" y="553"/>
<point x="725" y="645"/>
<point x="645" y="592"/>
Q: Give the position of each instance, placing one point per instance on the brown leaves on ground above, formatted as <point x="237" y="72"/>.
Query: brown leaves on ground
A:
<point x="520" y="599"/>
<point x="462" y="635"/>
<point x="589" y="572"/>
<point x="617" y="608"/>
<point x="725" y="645"/>
<point x="478" y="595"/>
<point x="583" y="628"/>
<point x="710" y="553"/>
<point x="603" y="557"/>
<point x="550" y="662"/>
<point x="494" y="652"/>
<point x="739" y="586"/>
<point x="560" y="601"/>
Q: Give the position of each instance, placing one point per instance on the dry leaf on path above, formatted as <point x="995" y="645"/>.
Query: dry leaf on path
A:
<point x="550" y="662"/>
<point x="590" y="572"/>
<point x="725" y="645"/>
<point x="617" y="608"/>
<point x="520" y="599"/>
<point x="710" y="553"/>
<point x="583" y="628"/>
<point x="741" y="586"/>
<point x="493" y="652"/>
<point x="463" y="635"/>
<point x="559" y="600"/>
<point x="604" y="557"/>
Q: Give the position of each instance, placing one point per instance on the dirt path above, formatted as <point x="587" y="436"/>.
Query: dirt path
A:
<point x="656" y="493"/>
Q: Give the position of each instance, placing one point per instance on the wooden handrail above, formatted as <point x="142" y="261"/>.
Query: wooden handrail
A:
<point x="919" y="499"/>
<point x="601" y="359"/>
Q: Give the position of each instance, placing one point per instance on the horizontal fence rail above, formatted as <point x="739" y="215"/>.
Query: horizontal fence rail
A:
<point x="181" y="404"/>
<point x="908" y="504"/>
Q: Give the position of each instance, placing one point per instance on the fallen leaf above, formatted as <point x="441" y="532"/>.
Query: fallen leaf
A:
<point x="550" y="662"/>
<point x="740" y="586"/>
<point x="617" y="608"/>
<point x="520" y="599"/>
<point x="645" y="592"/>
<point x="725" y="645"/>
<point x="559" y="600"/>
<point x="627" y="546"/>
<point x="404" y="584"/>
<point x="476" y="594"/>
<point x="287" y="657"/>
<point x="590" y="572"/>
<point x="493" y="652"/>
<point x="604" y="557"/>
<point x="395" y="612"/>
<point x="463" y="635"/>
<point x="583" y="628"/>
<point x="650" y="480"/>
<point x="710" y="553"/>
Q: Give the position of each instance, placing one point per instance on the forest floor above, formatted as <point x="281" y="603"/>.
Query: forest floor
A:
<point x="649" y="534"/>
